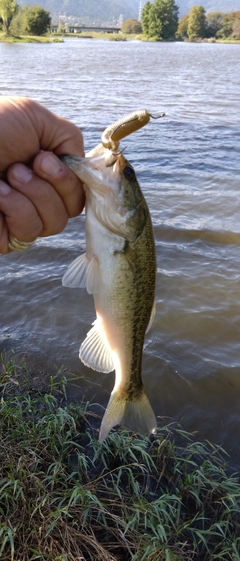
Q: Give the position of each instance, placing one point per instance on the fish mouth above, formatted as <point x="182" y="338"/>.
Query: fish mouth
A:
<point x="119" y="158"/>
<point x="100" y="170"/>
<point x="121" y="162"/>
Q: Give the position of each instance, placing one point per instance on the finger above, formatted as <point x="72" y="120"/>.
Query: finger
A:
<point x="41" y="129"/>
<point x="3" y="235"/>
<point x="55" y="133"/>
<point x="66" y="183"/>
<point x="47" y="203"/>
<point x="19" y="139"/>
<point x="21" y="217"/>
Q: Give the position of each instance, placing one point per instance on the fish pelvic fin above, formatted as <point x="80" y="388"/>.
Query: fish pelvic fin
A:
<point x="136" y="415"/>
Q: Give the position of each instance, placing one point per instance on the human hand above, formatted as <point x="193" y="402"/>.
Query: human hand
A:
<point x="38" y="195"/>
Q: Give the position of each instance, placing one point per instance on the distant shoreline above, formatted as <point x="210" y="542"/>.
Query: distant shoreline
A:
<point x="59" y="38"/>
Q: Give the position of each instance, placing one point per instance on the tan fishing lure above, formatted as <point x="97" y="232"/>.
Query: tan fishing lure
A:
<point x="126" y="125"/>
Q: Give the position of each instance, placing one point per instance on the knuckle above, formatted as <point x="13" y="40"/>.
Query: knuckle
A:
<point x="56" y="226"/>
<point x="62" y="223"/>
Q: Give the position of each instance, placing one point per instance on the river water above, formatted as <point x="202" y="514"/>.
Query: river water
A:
<point x="188" y="165"/>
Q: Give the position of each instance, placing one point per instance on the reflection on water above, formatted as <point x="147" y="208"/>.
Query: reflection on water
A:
<point x="188" y="167"/>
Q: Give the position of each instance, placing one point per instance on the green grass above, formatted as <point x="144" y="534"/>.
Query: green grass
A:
<point x="95" y="35"/>
<point x="59" y="38"/>
<point x="65" y="497"/>
<point x="228" y="40"/>
<point x="28" y="39"/>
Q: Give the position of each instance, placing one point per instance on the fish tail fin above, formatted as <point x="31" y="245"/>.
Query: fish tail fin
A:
<point x="136" y="415"/>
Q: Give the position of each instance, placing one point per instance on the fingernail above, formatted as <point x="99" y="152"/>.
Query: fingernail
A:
<point x="4" y="188"/>
<point x="21" y="173"/>
<point x="51" y="165"/>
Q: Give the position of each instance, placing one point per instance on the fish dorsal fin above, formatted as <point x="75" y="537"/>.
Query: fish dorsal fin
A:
<point x="94" y="351"/>
<point x="83" y="272"/>
<point x="153" y="312"/>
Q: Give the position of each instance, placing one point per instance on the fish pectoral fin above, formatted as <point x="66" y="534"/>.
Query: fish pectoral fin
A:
<point x="136" y="415"/>
<point x="75" y="276"/>
<point x="152" y="316"/>
<point x="94" y="352"/>
<point x="83" y="272"/>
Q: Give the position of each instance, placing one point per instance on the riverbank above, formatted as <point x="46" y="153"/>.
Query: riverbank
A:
<point x="133" y="37"/>
<point x="59" y="38"/>
<point x="29" y="38"/>
<point x="65" y="496"/>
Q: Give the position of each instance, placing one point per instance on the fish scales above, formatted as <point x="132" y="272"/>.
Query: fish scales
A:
<point x="131" y="299"/>
<point x="119" y="269"/>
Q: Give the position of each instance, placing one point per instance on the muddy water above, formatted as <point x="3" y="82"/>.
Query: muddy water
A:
<point x="189" y="168"/>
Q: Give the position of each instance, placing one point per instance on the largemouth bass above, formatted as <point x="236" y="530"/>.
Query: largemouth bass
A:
<point x="119" y="269"/>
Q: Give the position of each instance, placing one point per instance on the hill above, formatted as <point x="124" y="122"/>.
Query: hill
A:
<point x="225" y="6"/>
<point x="109" y="11"/>
<point x="90" y="11"/>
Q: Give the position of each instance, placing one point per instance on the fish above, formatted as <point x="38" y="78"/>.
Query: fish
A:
<point x="119" y="270"/>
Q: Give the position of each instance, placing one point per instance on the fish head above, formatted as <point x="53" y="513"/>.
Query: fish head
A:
<point x="112" y="190"/>
<point x="97" y="170"/>
<point x="103" y="171"/>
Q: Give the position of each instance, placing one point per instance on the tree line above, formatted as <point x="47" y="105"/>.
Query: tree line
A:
<point x="199" y="25"/>
<point x="159" y="21"/>
<point x="28" y="20"/>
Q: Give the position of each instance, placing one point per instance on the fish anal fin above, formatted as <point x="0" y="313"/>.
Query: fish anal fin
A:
<point x="136" y="415"/>
<point x="94" y="351"/>
<point x="83" y="272"/>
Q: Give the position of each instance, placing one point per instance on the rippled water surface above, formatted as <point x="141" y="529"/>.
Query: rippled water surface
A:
<point x="188" y="165"/>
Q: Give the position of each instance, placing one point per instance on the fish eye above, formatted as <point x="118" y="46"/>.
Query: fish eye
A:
<point x="129" y="173"/>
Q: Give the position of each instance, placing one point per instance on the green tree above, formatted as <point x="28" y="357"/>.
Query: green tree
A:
<point x="196" y="23"/>
<point x="230" y="25"/>
<point x="213" y="23"/>
<point x="7" y="10"/>
<point x="145" y="19"/>
<point x="236" y="26"/>
<point x="131" y="26"/>
<point x="182" y="30"/>
<point x="162" y="18"/>
<point x="16" y="27"/>
<point x="36" y="20"/>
